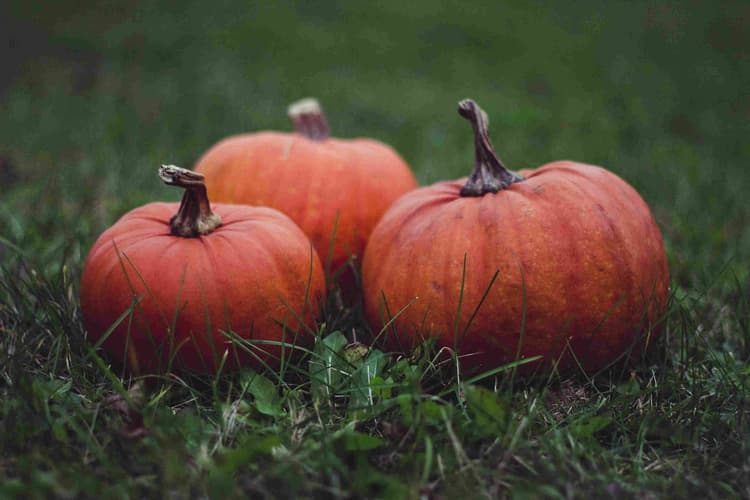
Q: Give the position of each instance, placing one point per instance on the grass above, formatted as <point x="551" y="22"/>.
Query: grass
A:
<point x="99" y="95"/>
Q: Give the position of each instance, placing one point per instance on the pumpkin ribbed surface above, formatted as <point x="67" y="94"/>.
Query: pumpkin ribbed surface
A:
<point x="322" y="183"/>
<point x="254" y="276"/>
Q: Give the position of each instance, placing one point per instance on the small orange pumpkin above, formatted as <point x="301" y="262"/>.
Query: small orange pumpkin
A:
<point x="197" y="280"/>
<point x="565" y="259"/>
<point x="322" y="183"/>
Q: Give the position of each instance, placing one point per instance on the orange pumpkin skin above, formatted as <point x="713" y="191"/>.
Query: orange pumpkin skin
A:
<point x="321" y="184"/>
<point x="249" y="276"/>
<point x="580" y="267"/>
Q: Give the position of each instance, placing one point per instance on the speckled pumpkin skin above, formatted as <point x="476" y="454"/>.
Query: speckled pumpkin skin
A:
<point x="580" y="261"/>
<point x="247" y="277"/>
<point x="315" y="182"/>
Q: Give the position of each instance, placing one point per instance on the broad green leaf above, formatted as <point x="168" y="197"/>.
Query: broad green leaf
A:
<point x="358" y="441"/>
<point x="488" y="412"/>
<point x="265" y="394"/>
<point x="424" y="411"/>
<point x="327" y="365"/>
<point x="382" y="387"/>
<point x="586" y="427"/>
<point x="435" y="413"/>
<point x="365" y="372"/>
<point x="629" y="388"/>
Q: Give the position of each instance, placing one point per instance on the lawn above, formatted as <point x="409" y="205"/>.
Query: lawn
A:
<point x="94" y="96"/>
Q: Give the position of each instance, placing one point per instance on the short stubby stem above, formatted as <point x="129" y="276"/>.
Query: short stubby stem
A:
<point x="194" y="217"/>
<point x="308" y="119"/>
<point x="489" y="175"/>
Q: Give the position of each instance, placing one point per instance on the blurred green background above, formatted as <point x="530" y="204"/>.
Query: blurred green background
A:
<point x="95" y="95"/>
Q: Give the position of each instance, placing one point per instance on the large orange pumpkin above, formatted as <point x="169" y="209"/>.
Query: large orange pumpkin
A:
<point x="197" y="280"/>
<point x="322" y="183"/>
<point x="565" y="259"/>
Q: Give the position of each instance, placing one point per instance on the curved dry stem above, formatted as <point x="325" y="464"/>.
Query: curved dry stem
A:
<point x="489" y="175"/>
<point x="308" y="119"/>
<point x="194" y="218"/>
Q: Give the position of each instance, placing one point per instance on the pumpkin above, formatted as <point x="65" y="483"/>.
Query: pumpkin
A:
<point x="336" y="190"/>
<point x="184" y="285"/>
<point x="564" y="262"/>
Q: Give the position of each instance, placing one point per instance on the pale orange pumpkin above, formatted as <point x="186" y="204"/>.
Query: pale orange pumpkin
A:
<point x="332" y="188"/>
<point x="201" y="282"/>
<point x="564" y="262"/>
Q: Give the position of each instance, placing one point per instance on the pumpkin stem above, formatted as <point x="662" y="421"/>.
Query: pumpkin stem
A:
<point x="308" y="119"/>
<point x="489" y="175"/>
<point x="194" y="218"/>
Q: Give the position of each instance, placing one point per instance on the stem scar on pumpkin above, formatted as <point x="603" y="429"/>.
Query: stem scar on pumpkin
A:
<point x="489" y="174"/>
<point x="308" y="119"/>
<point x="194" y="217"/>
